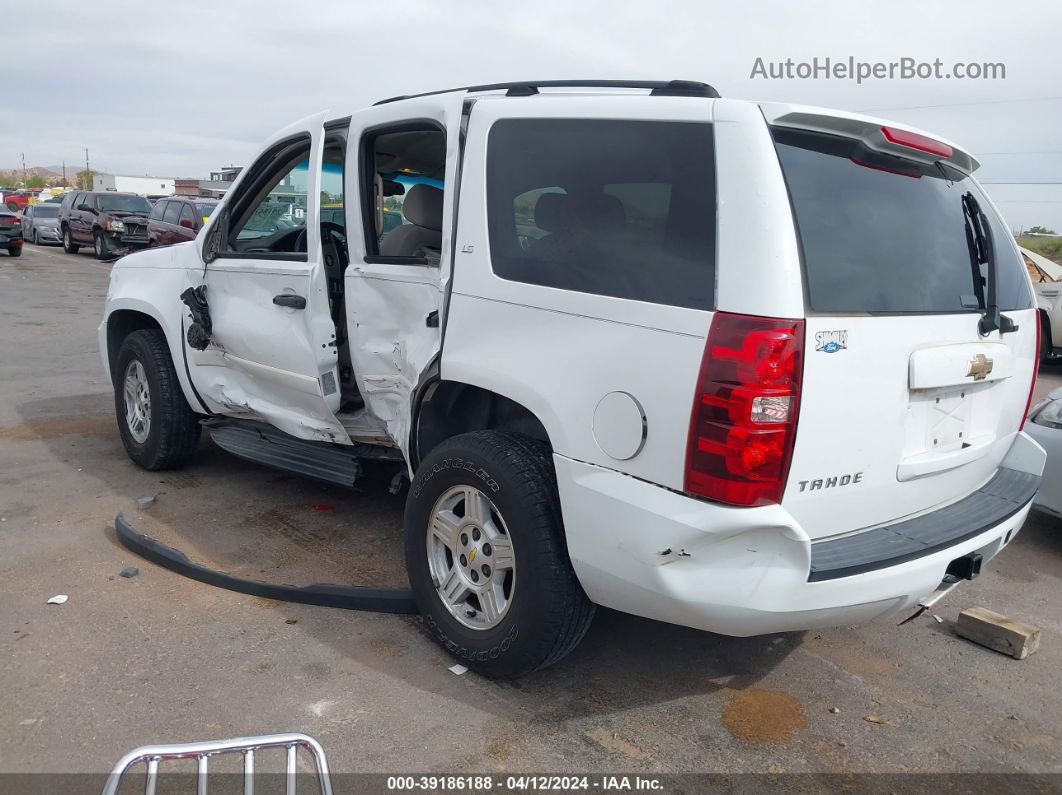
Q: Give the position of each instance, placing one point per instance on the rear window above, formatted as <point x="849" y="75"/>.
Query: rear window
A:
<point x="205" y="209"/>
<point x="45" y="210"/>
<point x="617" y="208"/>
<point x="884" y="234"/>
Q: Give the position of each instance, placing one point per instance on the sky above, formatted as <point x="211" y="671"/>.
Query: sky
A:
<point x="180" y="89"/>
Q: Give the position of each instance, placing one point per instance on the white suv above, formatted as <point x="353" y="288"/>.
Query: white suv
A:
<point x="746" y="367"/>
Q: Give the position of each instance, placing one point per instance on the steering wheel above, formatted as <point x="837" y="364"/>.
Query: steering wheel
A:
<point x="326" y="226"/>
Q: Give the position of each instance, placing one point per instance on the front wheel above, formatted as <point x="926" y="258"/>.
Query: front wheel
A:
<point x="159" y="430"/>
<point x="15" y="251"/>
<point x="99" y="245"/>
<point x="68" y="242"/>
<point x="35" y="238"/>
<point x="486" y="555"/>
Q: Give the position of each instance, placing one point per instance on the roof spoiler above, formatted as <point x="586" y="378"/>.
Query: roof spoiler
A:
<point x="877" y="134"/>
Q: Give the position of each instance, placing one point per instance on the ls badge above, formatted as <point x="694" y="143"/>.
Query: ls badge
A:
<point x="831" y="341"/>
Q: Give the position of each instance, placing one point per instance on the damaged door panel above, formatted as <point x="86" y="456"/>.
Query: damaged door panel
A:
<point x="399" y="219"/>
<point x="271" y="350"/>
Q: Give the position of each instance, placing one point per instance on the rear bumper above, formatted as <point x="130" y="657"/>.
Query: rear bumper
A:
<point x="646" y="550"/>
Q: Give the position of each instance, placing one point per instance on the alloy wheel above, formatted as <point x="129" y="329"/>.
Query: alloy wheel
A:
<point x="137" y="402"/>
<point x="470" y="557"/>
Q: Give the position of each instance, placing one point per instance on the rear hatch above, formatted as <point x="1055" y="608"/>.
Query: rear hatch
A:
<point x="905" y="406"/>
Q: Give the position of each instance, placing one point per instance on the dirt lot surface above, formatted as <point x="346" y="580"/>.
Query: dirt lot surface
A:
<point x="157" y="658"/>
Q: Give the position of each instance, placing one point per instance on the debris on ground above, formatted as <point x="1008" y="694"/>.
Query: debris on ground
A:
<point x="291" y="621"/>
<point x="458" y="669"/>
<point x="58" y="599"/>
<point x="872" y="718"/>
<point x="834" y="710"/>
<point x="129" y="571"/>
<point x="938" y="619"/>
<point x="998" y="632"/>
<point x="324" y="507"/>
<point x="146" y="502"/>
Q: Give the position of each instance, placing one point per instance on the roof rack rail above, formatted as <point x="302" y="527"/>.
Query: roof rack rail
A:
<point x="526" y="88"/>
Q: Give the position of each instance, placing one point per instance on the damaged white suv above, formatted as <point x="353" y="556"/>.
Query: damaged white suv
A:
<point x="740" y="366"/>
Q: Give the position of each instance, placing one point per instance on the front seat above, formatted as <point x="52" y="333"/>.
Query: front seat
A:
<point x="423" y="208"/>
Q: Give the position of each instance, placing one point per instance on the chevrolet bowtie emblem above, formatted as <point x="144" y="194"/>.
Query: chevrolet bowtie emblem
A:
<point x="980" y="367"/>
<point x="472" y="555"/>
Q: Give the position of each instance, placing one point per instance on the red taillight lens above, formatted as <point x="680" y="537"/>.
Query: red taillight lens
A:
<point x="744" y="413"/>
<point x="915" y="141"/>
<point x="9" y="220"/>
<point x="1036" y="371"/>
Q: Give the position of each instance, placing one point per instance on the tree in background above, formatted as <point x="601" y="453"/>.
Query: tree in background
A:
<point x="1040" y="230"/>
<point x="84" y="179"/>
<point x="36" y="181"/>
<point x="8" y="182"/>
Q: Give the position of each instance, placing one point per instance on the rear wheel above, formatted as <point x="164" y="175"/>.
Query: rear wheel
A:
<point x="12" y="207"/>
<point x="68" y="242"/>
<point x="15" y="251"/>
<point x="159" y="430"/>
<point x="486" y="556"/>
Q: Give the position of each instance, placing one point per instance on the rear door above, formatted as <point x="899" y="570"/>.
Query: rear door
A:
<point x="905" y="406"/>
<point x="393" y="297"/>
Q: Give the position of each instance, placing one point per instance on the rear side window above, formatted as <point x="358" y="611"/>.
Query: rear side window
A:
<point x="884" y="234"/>
<point x="158" y="210"/>
<point x="617" y="208"/>
<point x="173" y="213"/>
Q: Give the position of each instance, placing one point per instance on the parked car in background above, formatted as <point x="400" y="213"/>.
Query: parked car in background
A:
<point x="10" y="233"/>
<point x="175" y="220"/>
<point x="112" y="223"/>
<point x="1047" y="285"/>
<point x="40" y="223"/>
<point x="1045" y="426"/>
<point x="17" y="201"/>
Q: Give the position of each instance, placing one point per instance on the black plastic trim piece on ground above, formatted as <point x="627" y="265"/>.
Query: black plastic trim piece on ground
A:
<point x="356" y="597"/>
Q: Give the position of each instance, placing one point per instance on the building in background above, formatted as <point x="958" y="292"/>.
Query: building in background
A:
<point x="145" y="186"/>
<point x="214" y="188"/>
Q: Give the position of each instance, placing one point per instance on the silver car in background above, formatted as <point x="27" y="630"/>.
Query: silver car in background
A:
<point x="40" y="223"/>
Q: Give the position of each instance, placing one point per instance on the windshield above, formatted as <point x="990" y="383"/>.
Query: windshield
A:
<point x="884" y="234"/>
<point x="205" y="209"/>
<point x="45" y="211"/>
<point x="124" y="204"/>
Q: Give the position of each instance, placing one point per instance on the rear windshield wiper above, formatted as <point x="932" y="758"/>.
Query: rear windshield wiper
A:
<point x="982" y="250"/>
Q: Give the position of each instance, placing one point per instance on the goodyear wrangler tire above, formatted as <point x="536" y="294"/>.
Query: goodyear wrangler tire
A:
<point x="159" y="429"/>
<point x="486" y="555"/>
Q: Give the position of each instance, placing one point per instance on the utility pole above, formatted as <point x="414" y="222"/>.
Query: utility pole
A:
<point x="64" y="172"/>
<point x="88" y="172"/>
<point x="24" y="185"/>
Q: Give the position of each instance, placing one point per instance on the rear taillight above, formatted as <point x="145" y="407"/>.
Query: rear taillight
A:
<point x="915" y="141"/>
<point x="9" y="220"/>
<point x="743" y="423"/>
<point x="1036" y="370"/>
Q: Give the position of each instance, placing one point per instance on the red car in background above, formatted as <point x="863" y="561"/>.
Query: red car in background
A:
<point x="17" y="200"/>
<point x="177" y="219"/>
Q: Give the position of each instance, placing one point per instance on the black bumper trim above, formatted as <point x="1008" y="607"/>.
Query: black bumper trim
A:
<point x="357" y="597"/>
<point x="996" y="501"/>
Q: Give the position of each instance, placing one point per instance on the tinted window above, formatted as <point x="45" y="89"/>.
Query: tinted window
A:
<point x="618" y="208"/>
<point x="205" y="210"/>
<point x="187" y="214"/>
<point x="114" y="203"/>
<point x="173" y="213"/>
<point x="158" y="210"/>
<point x="46" y="211"/>
<point x="883" y="234"/>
